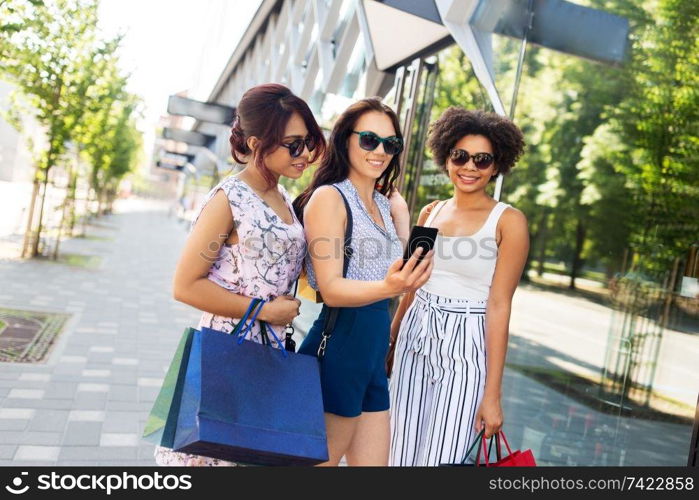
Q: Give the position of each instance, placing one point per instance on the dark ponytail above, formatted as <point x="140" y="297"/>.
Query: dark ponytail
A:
<point x="239" y="145"/>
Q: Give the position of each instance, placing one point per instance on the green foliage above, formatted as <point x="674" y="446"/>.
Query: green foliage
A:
<point x="659" y="121"/>
<point x="67" y="78"/>
<point x="612" y="159"/>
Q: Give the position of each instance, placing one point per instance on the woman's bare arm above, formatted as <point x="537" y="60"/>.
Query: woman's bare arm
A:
<point x="400" y="215"/>
<point x="512" y="255"/>
<point x="191" y="285"/>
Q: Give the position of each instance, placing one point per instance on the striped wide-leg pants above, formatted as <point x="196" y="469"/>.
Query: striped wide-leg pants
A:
<point x="438" y="380"/>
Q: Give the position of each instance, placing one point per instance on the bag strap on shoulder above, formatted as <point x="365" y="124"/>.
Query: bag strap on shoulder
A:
<point x="333" y="312"/>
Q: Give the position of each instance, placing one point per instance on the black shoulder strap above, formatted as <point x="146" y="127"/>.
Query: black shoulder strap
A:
<point x="347" y="249"/>
<point x="331" y="316"/>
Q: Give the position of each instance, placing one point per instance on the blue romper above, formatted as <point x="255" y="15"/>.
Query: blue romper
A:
<point x="353" y="370"/>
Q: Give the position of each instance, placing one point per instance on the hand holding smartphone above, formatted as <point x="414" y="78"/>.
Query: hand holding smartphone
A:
<point x="420" y="236"/>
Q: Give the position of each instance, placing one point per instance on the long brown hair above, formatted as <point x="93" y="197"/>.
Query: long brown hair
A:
<point x="263" y="112"/>
<point x="335" y="165"/>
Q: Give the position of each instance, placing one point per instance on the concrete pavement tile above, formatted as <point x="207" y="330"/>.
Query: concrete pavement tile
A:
<point x="148" y="393"/>
<point x="150" y="382"/>
<point x="61" y="390"/>
<point x="73" y="359"/>
<point x="7" y="424"/>
<point x="144" y="407"/>
<point x="35" y="377"/>
<point x="90" y="401"/>
<point x="17" y="413"/>
<point x="48" y="404"/>
<point x="82" y="434"/>
<point x="118" y="439"/>
<point x="123" y="422"/>
<point x="125" y="361"/>
<point x="101" y="348"/>
<point x="96" y="373"/>
<point x="90" y="387"/>
<point x="48" y="420"/>
<point x="124" y="378"/>
<point x="86" y="416"/>
<point x="39" y="453"/>
<point x="26" y="393"/>
<point x="123" y="393"/>
<point x="41" y="438"/>
<point x="94" y="453"/>
<point x="68" y="369"/>
<point x="7" y="451"/>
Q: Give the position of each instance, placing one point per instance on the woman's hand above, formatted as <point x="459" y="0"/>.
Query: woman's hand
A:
<point x="280" y="311"/>
<point x="489" y="415"/>
<point x="411" y="276"/>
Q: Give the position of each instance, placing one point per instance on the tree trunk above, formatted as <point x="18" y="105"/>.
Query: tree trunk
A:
<point x="543" y="233"/>
<point x="37" y="235"/>
<point x="30" y="219"/>
<point x="580" y="231"/>
<point x="66" y="202"/>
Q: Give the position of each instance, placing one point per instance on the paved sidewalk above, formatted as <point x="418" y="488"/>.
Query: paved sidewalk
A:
<point x="87" y="404"/>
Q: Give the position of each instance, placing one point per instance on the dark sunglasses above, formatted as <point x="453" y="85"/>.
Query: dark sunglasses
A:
<point x="295" y="147"/>
<point x="370" y="141"/>
<point x="460" y="157"/>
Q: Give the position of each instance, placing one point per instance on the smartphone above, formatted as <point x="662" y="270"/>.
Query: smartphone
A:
<point x="420" y="236"/>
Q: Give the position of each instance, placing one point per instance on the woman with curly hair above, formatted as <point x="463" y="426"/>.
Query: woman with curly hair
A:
<point x="452" y="333"/>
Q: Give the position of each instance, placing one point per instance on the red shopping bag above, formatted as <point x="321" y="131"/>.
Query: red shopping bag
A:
<point x="513" y="459"/>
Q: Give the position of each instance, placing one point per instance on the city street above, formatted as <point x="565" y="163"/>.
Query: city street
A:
<point x="86" y="405"/>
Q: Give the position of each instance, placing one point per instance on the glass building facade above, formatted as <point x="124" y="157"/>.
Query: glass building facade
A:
<point x="604" y="332"/>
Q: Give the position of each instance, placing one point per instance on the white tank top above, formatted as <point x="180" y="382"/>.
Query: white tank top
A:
<point x="464" y="265"/>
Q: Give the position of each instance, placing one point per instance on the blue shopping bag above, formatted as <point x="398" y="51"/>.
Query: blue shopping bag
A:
<point x="251" y="403"/>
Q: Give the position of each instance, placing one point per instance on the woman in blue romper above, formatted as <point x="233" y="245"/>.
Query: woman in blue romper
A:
<point x="361" y="164"/>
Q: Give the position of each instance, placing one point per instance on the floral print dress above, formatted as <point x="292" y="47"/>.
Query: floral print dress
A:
<point x="265" y="263"/>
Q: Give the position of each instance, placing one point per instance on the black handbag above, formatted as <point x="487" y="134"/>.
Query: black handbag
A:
<point x="333" y="312"/>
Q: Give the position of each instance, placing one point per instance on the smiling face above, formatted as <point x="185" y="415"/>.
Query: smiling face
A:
<point x="370" y="163"/>
<point x="280" y="161"/>
<point x="467" y="178"/>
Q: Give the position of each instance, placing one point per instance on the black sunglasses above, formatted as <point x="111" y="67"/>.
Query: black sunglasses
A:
<point x="460" y="157"/>
<point x="370" y="141"/>
<point x="295" y="147"/>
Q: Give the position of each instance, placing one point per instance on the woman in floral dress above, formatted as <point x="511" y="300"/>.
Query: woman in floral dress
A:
<point x="246" y="241"/>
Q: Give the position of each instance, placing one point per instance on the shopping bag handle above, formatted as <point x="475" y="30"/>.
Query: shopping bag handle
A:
<point x="497" y="447"/>
<point x="473" y="445"/>
<point x="248" y="327"/>
<point x="507" y="445"/>
<point x="243" y="333"/>
<point x="253" y="303"/>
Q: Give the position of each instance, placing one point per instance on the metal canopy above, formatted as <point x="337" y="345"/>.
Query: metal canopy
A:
<point x="189" y="137"/>
<point x="425" y="26"/>
<point x="558" y="25"/>
<point x="202" y="111"/>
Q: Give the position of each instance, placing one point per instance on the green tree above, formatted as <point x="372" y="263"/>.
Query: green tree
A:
<point x="51" y="64"/>
<point x="16" y="16"/>
<point x="659" y="122"/>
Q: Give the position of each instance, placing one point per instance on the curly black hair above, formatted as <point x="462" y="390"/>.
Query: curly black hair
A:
<point x="505" y="137"/>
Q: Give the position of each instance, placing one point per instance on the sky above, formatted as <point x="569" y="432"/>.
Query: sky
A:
<point x="174" y="45"/>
